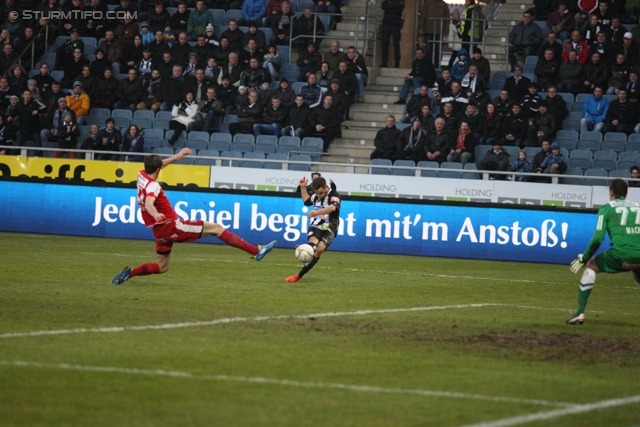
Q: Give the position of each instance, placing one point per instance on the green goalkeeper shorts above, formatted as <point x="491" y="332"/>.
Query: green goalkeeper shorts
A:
<point x="613" y="261"/>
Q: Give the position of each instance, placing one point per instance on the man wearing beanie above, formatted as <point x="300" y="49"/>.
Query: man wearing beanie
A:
<point x="79" y="103"/>
<point x="484" y="68"/>
<point x="55" y="116"/>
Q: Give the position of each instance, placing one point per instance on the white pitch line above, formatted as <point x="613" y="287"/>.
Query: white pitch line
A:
<point x="575" y="409"/>
<point x="235" y="320"/>
<point x="292" y="383"/>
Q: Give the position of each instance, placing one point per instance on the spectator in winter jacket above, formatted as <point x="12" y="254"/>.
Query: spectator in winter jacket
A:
<point x="633" y="86"/>
<point x="356" y="63"/>
<point x="471" y="82"/>
<point x="426" y="118"/>
<point x="457" y="99"/>
<point x="521" y="164"/>
<point x="273" y="119"/>
<point x="442" y="87"/>
<point x="530" y="102"/>
<point x="616" y="33"/>
<point x="198" y="21"/>
<point x="234" y="35"/>
<point x="133" y="144"/>
<point x="595" y="110"/>
<point x="79" y="103"/>
<point x="517" y="85"/>
<point x="298" y="121"/>
<point x="590" y="33"/>
<point x="253" y="11"/>
<point x="557" y="106"/>
<point x="109" y="139"/>
<point x="311" y="92"/>
<point x="159" y="18"/>
<point x="210" y="111"/>
<point x="525" y="37"/>
<point x="411" y="142"/>
<point x="130" y="92"/>
<point x="554" y="162"/>
<point x="438" y="143"/>
<point x="281" y="24"/>
<point x="480" y="99"/>
<point x="542" y="126"/>
<point x="503" y="103"/>
<point x="449" y="117"/>
<point x="422" y="72"/>
<point x="596" y="73"/>
<point x="250" y="114"/>
<point x="629" y="49"/>
<point x="580" y="46"/>
<point x="54" y="118"/>
<point x="385" y="141"/>
<point x="496" y="159"/>
<point x="619" y="75"/>
<point x="172" y="89"/>
<point x="415" y="104"/>
<point x="458" y="69"/>
<point x="570" y="73"/>
<point x="285" y="93"/>
<point x="305" y="27"/>
<point x="464" y="145"/>
<point x="603" y="47"/>
<point x="325" y="121"/>
<point x="553" y="44"/>
<point x="492" y="123"/>
<point x="484" y="68"/>
<point x="547" y="70"/>
<point x="474" y="121"/>
<point x="68" y="133"/>
<point x="514" y="128"/>
<point x="107" y="90"/>
<point x="621" y="116"/>
<point x="255" y="75"/>
<point x="308" y="62"/>
<point x="180" y="20"/>
<point x="560" y="23"/>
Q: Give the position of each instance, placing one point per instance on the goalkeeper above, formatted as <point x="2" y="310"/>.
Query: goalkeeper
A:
<point x="621" y="219"/>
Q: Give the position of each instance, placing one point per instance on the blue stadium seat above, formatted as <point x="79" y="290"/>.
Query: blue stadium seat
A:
<point x="629" y="156"/>
<point x="568" y="134"/>
<point x="198" y="135"/>
<point x="142" y="123"/>
<point x="531" y="60"/>
<point x="161" y="124"/>
<point x="615" y="146"/>
<point x="481" y="150"/>
<point x="163" y="151"/>
<point x="122" y="113"/>
<point x="289" y="140"/>
<point x="253" y="160"/>
<point x="122" y="123"/>
<point x="296" y="86"/>
<point x="571" y="124"/>
<point x="144" y="114"/>
<point x="312" y="142"/>
<point x="300" y="158"/>
<point x="513" y="151"/>
<point x="243" y="147"/>
<point x="588" y="144"/>
<point x="569" y="144"/>
<point x="275" y="156"/>
<point x="594" y="136"/>
<point x="231" y="154"/>
<point x="577" y="106"/>
<point x="595" y="172"/>
<point x="616" y="136"/>
<point x="620" y="173"/>
<point x="381" y="170"/>
<point x="605" y="154"/>
<point x="269" y="139"/>
<point x="575" y="115"/>
<point x="428" y="164"/>
<point x="568" y="97"/>
<point x="604" y="164"/>
<point x="197" y="144"/>
<point x="285" y="148"/>
<point x="220" y="136"/>
<point x="471" y="175"/>
<point x="220" y="146"/>
<point x="572" y="181"/>
<point x="404" y="172"/>
<point x="451" y="165"/>
<point x="581" y="97"/>
<point x="56" y="74"/>
<point x="185" y="161"/>
<point x="579" y="163"/>
<point x="264" y="147"/>
<point x="244" y="137"/>
<point x="163" y="115"/>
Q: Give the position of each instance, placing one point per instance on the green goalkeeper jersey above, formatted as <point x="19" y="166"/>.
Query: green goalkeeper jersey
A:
<point x="621" y="219"/>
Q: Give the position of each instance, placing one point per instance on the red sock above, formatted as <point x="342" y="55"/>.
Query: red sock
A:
<point x="232" y="240"/>
<point x="145" y="269"/>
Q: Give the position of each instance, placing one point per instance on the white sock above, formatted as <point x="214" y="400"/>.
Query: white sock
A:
<point x="588" y="279"/>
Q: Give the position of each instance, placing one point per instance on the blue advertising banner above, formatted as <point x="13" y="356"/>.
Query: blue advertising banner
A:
<point x="366" y="226"/>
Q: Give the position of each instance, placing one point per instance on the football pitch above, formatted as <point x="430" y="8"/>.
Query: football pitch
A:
<point x="362" y="340"/>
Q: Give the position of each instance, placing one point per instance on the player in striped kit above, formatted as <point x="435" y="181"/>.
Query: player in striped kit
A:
<point x="168" y="229"/>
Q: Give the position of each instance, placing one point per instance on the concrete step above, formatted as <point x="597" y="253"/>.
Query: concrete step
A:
<point x="353" y="143"/>
<point x="374" y="107"/>
<point x="336" y="34"/>
<point x="349" y="41"/>
<point x="379" y="98"/>
<point x="352" y="26"/>
<point x="394" y="72"/>
<point x="386" y="89"/>
<point x="360" y="132"/>
<point x="389" y="81"/>
<point x="378" y="117"/>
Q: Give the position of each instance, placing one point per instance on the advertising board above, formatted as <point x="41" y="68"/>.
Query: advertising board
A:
<point x="367" y="225"/>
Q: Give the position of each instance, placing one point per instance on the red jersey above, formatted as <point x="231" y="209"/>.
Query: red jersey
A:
<point x="148" y="186"/>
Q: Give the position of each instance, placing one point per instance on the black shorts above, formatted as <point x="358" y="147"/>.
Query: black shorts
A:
<point x="323" y="235"/>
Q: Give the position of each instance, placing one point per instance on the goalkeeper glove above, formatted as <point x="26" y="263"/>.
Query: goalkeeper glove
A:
<point x="576" y="264"/>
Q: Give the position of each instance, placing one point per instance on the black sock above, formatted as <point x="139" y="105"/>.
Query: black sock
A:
<point x="308" y="266"/>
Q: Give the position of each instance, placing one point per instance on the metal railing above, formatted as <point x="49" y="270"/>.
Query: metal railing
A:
<point x="360" y="19"/>
<point x="348" y="167"/>
<point x="32" y="46"/>
<point x="469" y="45"/>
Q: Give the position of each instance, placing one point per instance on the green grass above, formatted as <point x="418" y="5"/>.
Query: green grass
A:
<point x="502" y="350"/>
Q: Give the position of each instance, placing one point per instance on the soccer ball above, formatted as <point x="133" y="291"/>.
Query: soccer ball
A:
<point x="304" y="253"/>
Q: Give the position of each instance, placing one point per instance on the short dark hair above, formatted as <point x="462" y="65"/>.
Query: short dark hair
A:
<point x="634" y="168"/>
<point x="619" y="188"/>
<point x="622" y="90"/>
<point x="319" y="182"/>
<point x="152" y="163"/>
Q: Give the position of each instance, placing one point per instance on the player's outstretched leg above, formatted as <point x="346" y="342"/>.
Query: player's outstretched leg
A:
<point x="586" y="286"/>
<point x="257" y="252"/>
<point x="308" y="266"/>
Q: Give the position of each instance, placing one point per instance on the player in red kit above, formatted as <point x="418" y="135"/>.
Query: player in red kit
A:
<point x="168" y="229"/>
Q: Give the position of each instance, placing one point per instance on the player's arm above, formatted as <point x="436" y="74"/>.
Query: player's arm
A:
<point x="303" y="190"/>
<point x="594" y="244"/>
<point x="323" y="211"/>
<point x="181" y="155"/>
<point x="149" y="205"/>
